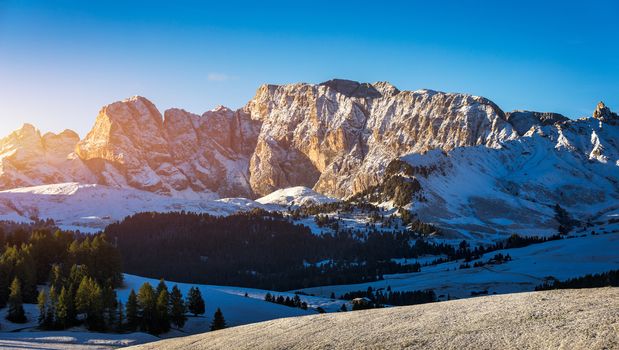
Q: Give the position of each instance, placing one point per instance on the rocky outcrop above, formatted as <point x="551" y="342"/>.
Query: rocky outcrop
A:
<point x="603" y="114"/>
<point x="213" y="150"/>
<point x="132" y="145"/>
<point x="27" y="158"/>
<point x="523" y="121"/>
<point x="337" y="137"/>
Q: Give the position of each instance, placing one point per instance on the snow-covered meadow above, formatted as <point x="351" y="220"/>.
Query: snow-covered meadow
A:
<point x="530" y="266"/>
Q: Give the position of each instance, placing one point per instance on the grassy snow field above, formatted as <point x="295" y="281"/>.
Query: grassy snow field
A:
<point x="565" y="319"/>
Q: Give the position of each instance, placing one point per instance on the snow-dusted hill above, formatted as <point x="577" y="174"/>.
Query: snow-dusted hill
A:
<point x="89" y="208"/>
<point x="567" y="319"/>
<point x="295" y="196"/>
<point x="237" y="309"/>
<point x="485" y="193"/>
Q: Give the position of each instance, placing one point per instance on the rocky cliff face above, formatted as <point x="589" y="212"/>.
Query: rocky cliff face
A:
<point x="336" y="137"/>
<point x="27" y="158"/>
<point x="523" y="121"/>
<point x="604" y="114"/>
<point x="480" y="192"/>
<point x="132" y="145"/>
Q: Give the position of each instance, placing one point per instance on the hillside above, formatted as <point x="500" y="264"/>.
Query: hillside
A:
<point x="574" y="319"/>
<point x="91" y="207"/>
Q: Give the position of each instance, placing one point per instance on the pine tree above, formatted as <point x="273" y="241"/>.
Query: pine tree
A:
<point x="16" y="312"/>
<point x="88" y="300"/>
<point x="42" y="303"/>
<point x="177" y="308"/>
<point x="63" y="309"/>
<point x="76" y="275"/>
<point x="5" y="274"/>
<point x="120" y="317"/>
<point x="195" y="303"/>
<point x="132" y="311"/>
<point x="161" y="287"/>
<point x="17" y="262"/>
<point x="218" y="321"/>
<point x="110" y="303"/>
<point x="51" y="308"/>
<point x="55" y="277"/>
<point x="147" y="305"/>
<point x="163" y="312"/>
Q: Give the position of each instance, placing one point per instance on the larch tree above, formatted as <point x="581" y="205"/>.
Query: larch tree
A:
<point x="16" y="312"/>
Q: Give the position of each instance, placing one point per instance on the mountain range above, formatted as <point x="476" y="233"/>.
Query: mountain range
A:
<point x="478" y="169"/>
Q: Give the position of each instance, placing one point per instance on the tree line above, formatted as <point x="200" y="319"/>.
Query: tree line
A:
<point x="201" y="248"/>
<point x="150" y="310"/>
<point x="231" y="250"/>
<point x="379" y="298"/>
<point x="287" y="301"/>
<point x="31" y="257"/>
<point x="604" y="279"/>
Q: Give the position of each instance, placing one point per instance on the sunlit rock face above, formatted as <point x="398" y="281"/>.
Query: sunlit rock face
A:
<point x="604" y="114"/>
<point x="27" y="159"/>
<point x="132" y="145"/>
<point x="338" y="136"/>
<point x="213" y="150"/>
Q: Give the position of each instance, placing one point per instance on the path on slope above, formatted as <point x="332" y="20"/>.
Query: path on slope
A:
<point x="566" y="319"/>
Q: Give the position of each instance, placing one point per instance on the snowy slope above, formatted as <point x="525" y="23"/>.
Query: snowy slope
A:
<point x="295" y="196"/>
<point x="71" y="340"/>
<point x="90" y="208"/>
<point x="26" y="336"/>
<point x="237" y="308"/>
<point x="566" y="319"/>
<point x="485" y="194"/>
<point x="529" y="267"/>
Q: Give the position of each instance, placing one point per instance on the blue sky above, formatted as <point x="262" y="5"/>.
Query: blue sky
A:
<point x="61" y="61"/>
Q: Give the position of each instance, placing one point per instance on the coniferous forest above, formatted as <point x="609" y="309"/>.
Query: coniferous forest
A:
<point x="259" y="249"/>
<point x="267" y="250"/>
<point x="72" y="278"/>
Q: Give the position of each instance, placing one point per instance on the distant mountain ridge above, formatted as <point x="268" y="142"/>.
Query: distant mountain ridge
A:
<point x="336" y="137"/>
<point x="474" y="170"/>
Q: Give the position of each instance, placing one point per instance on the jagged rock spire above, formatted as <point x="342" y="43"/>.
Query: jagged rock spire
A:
<point x="604" y="114"/>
